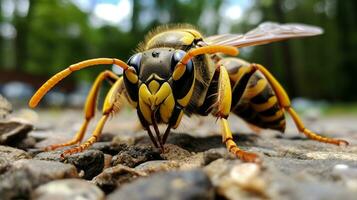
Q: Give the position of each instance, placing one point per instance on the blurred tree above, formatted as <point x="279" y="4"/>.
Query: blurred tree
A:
<point x="54" y="34"/>
<point x="347" y="27"/>
<point x="22" y="25"/>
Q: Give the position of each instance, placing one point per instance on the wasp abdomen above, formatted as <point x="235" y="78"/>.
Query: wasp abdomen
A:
<point x="253" y="99"/>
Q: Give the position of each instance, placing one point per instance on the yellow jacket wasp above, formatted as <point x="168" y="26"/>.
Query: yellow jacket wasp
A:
<point x="177" y="71"/>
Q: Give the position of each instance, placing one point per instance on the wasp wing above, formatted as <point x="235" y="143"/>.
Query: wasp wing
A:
<point x="265" y="33"/>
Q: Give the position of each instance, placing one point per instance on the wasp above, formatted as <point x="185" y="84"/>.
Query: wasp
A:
<point x="177" y="71"/>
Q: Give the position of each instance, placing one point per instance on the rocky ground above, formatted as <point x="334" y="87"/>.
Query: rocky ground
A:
<point x="195" y="165"/>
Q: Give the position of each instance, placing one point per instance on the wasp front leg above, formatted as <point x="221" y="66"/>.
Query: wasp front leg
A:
<point x="89" y="109"/>
<point x="111" y="105"/>
<point x="222" y="108"/>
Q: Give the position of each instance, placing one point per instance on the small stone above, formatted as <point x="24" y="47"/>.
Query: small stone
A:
<point x="68" y="189"/>
<point x="8" y="155"/>
<point x="174" y="152"/>
<point x="186" y="185"/>
<point x="12" y="154"/>
<point x="12" y="132"/>
<point x="124" y="139"/>
<point x="49" y="155"/>
<point x="214" y="154"/>
<point x="115" y="176"/>
<point x="107" y="160"/>
<point x="111" y="148"/>
<point x="236" y="180"/>
<point x="158" y="165"/>
<point x="27" y="143"/>
<point x="46" y="169"/>
<point x="244" y="173"/>
<point x="136" y="155"/>
<point x="90" y="161"/>
<point x="24" y="175"/>
<point x="5" y="107"/>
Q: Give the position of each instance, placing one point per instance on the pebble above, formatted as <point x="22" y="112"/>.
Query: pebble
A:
<point x="12" y="154"/>
<point x="115" y="176"/>
<point x="136" y="155"/>
<point x="173" y="185"/>
<point x="9" y="155"/>
<point x="12" y="132"/>
<point x="25" y="175"/>
<point x="68" y="189"/>
<point x="91" y="162"/>
<point x="154" y="166"/>
<point x="111" y="148"/>
<point x="236" y="180"/>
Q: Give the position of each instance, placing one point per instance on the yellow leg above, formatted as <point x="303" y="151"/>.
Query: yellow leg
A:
<point x="223" y="106"/>
<point x="36" y="98"/>
<point x="109" y="107"/>
<point x="89" y="109"/>
<point x="284" y="101"/>
<point x="232" y="146"/>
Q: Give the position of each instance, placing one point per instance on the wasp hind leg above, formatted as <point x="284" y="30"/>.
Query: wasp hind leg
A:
<point x="110" y="106"/>
<point x="89" y="109"/>
<point x="221" y="110"/>
<point x="284" y="101"/>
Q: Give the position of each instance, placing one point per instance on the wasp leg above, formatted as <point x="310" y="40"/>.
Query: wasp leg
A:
<point x="50" y="83"/>
<point x="110" y="105"/>
<point x="223" y="107"/>
<point x="152" y="138"/>
<point x="284" y="101"/>
<point x="89" y="109"/>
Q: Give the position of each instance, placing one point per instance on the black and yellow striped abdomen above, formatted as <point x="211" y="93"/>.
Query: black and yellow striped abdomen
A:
<point x="253" y="99"/>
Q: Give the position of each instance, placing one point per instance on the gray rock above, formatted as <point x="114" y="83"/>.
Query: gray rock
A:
<point x="111" y="148"/>
<point x="158" y="165"/>
<point x="236" y="180"/>
<point x="136" y="155"/>
<point x="24" y="175"/>
<point x="12" y="154"/>
<point x="68" y="189"/>
<point x="90" y="162"/>
<point x="174" y="152"/>
<point x="49" y="155"/>
<point x="193" y="184"/>
<point x="115" y="176"/>
<point x="5" y="107"/>
<point x="9" y="155"/>
<point x="12" y="132"/>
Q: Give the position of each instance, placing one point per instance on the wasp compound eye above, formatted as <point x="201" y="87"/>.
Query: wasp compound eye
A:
<point x="135" y="61"/>
<point x="183" y="85"/>
<point x="176" y="57"/>
<point x="130" y="78"/>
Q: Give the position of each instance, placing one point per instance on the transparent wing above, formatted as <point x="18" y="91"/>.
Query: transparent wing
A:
<point x="265" y="33"/>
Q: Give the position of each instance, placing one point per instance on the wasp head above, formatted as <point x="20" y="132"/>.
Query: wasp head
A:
<point x="150" y="82"/>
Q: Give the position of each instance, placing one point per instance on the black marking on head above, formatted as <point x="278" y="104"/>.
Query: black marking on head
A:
<point x="156" y="61"/>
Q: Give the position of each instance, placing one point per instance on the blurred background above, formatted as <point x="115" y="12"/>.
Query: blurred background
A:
<point x="40" y="37"/>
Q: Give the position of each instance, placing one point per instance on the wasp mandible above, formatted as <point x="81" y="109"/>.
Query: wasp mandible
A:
<point x="177" y="71"/>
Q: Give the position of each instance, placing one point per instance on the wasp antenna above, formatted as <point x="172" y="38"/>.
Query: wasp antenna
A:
<point x="50" y="83"/>
<point x="181" y="66"/>
<point x="229" y="50"/>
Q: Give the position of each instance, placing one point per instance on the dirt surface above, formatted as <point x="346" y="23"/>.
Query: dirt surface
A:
<point x="195" y="164"/>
